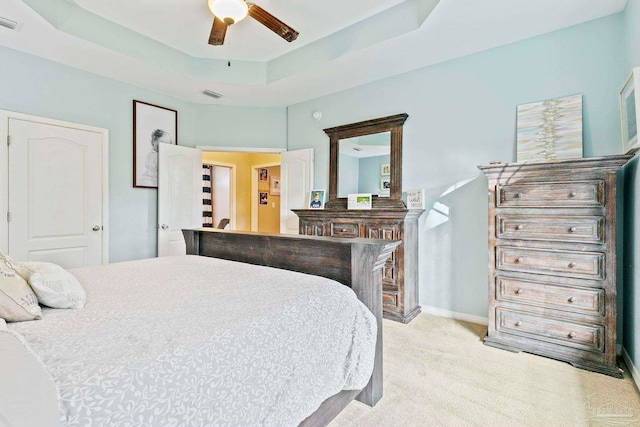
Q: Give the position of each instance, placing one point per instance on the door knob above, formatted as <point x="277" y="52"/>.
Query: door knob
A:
<point x="96" y="228"/>
<point x="164" y="226"/>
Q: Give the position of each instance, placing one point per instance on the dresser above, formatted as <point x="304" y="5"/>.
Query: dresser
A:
<point x="552" y="260"/>
<point x="400" y="272"/>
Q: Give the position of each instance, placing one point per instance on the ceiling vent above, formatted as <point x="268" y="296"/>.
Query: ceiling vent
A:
<point x="8" y="23"/>
<point x="212" y="94"/>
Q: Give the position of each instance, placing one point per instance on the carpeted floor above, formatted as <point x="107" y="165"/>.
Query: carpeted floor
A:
<point x="437" y="372"/>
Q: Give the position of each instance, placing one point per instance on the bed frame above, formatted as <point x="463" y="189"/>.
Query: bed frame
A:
<point x="356" y="263"/>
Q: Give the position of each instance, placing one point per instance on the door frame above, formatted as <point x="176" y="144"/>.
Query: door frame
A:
<point x="232" y="208"/>
<point x="5" y="116"/>
<point x="254" y="192"/>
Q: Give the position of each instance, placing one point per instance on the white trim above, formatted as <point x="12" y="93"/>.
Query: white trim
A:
<point x="240" y="149"/>
<point x="5" y="116"/>
<point x="632" y="368"/>
<point x="232" y="208"/>
<point x="254" y="192"/>
<point x="441" y="312"/>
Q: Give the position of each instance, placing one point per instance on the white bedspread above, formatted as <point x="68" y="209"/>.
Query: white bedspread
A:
<point x="194" y="341"/>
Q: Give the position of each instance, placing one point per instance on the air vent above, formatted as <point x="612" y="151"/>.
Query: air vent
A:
<point x="212" y="94"/>
<point x="8" y="23"/>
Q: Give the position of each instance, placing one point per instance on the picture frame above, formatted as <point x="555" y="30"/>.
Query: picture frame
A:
<point x="414" y="199"/>
<point x="629" y="97"/>
<point x="385" y="184"/>
<point x="274" y="185"/>
<point x="152" y="125"/>
<point x="385" y="169"/>
<point x="359" y="201"/>
<point x="263" y="175"/>
<point x="316" y="199"/>
<point x="263" y="198"/>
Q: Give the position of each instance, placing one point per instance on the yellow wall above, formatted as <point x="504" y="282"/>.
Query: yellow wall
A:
<point x="244" y="162"/>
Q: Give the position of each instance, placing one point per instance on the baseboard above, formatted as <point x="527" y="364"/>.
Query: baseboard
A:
<point x="441" y="312"/>
<point x="632" y="368"/>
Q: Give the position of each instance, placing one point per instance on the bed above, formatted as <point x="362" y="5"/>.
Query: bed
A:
<point x="204" y="340"/>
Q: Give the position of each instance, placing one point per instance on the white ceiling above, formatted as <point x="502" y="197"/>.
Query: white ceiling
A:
<point x="162" y="44"/>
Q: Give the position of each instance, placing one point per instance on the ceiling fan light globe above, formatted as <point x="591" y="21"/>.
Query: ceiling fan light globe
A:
<point x="229" y="10"/>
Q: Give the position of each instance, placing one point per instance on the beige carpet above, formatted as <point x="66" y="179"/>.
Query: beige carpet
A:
<point x="437" y="372"/>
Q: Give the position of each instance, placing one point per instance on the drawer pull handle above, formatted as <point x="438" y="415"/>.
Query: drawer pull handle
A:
<point x="342" y="229"/>
<point x="517" y="195"/>
<point x="572" y="299"/>
<point x="519" y="291"/>
<point x="519" y="227"/>
<point x="573" y="194"/>
<point x="572" y="264"/>
<point x="572" y="334"/>
<point x="519" y="323"/>
<point x="519" y="259"/>
<point x="572" y="229"/>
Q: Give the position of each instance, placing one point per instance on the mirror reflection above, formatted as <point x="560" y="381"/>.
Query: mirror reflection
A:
<point x="363" y="165"/>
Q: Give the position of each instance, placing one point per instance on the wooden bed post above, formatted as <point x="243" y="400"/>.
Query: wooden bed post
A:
<point x="356" y="263"/>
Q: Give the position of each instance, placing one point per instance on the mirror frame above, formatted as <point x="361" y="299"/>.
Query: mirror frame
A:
<point x="391" y="124"/>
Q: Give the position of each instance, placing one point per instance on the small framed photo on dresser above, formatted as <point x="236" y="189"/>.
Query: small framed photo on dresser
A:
<point x="316" y="199"/>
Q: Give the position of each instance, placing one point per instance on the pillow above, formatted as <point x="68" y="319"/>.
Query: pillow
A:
<point x="17" y="300"/>
<point x="54" y="286"/>
<point x="28" y="395"/>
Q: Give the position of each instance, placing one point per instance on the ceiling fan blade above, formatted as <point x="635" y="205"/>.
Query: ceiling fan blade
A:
<point x="272" y="23"/>
<point x="218" y="31"/>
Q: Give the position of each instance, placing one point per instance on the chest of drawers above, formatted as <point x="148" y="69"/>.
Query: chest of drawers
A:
<point x="400" y="273"/>
<point x="552" y="260"/>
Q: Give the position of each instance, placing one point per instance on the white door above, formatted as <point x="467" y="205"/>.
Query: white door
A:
<point x="296" y="180"/>
<point x="179" y="196"/>
<point x="56" y="194"/>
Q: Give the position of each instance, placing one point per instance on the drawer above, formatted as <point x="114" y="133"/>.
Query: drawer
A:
<point x="585" y="265"/>
<point x="390" y="299"/>
<point x="344" y="229"/>
<point x="551" y="194"/>
<point x="556" y="331"/>
<point x="587" y="229"/>
<point x="587" y="301"/>
<point x="311" y="228"/>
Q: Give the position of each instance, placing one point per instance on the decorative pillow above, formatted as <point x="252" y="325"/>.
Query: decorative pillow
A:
<point x="54" y="286"/>
<point x="17" y="300"/>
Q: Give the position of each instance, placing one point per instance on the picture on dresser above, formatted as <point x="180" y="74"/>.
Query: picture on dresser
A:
<point x="550" y="130"/>
<point x="629" y="97"/>
<point x="316" y="199"/>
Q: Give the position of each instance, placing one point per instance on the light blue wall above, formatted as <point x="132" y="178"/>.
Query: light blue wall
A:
<point x="348" y="173"/>
<point x="631" y="253"/>
<point x="462" y="113"/>
<point x="36" y="86"/>
<point x="369" y="174"/>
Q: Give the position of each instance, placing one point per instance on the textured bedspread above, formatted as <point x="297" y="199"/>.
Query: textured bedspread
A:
<point x="194" y="341"/>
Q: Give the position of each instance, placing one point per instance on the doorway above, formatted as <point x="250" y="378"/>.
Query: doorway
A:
<point x="218" y="195"/>
<point x="56" y="191"/>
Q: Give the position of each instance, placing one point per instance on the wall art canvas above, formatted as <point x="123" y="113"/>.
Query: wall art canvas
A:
<point x="550" y="130"/>
<point x="152" y="125"/>
<point x="629" y="113"/>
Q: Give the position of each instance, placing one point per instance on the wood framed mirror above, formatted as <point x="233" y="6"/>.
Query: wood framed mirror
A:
<point x="349" y="137"/>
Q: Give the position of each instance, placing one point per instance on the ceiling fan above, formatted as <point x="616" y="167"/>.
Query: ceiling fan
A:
<point x="228" y="12"/>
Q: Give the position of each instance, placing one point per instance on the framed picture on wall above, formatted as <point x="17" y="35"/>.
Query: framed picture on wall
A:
<point x="263" y="175"/>
<point x="152" y="125"/>
<point x="385" y="169"/>
<point x="629" y="103"/>
<point x="264" y="198"/>
<point x="274" y="185"/>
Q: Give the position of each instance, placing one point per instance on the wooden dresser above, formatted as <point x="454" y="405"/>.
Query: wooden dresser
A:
<point x="552" y="260"/>
<point x="400" y="273"/>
